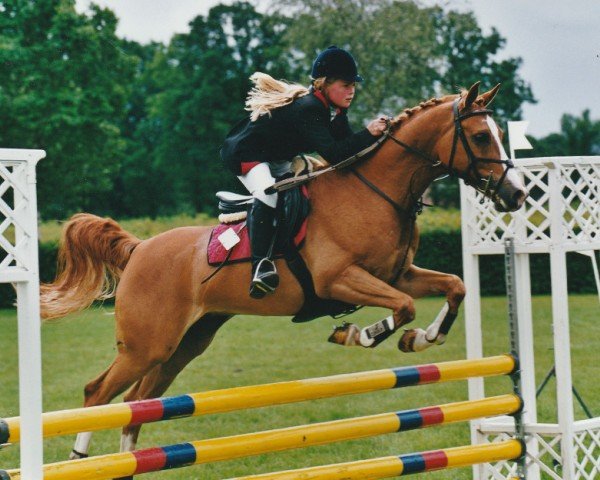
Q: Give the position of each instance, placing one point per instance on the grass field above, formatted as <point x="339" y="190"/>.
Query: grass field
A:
<point x="252" y="350"/>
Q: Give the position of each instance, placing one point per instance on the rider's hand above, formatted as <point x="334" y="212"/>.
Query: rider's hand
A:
<point x="377" y="127"/>
<point x="306" y="164"/>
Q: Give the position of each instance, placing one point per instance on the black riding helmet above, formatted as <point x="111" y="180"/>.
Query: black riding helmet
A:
<point x="337" y="63"/>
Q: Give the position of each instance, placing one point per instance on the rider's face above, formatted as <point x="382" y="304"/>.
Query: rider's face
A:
<point x="340" y="93"/>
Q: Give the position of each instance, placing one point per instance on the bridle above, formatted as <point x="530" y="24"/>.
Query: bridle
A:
<point x="484" y="185"/>
<point x="471" y="177"/>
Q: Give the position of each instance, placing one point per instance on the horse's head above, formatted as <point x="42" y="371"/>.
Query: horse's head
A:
<point x="472" y="149"/>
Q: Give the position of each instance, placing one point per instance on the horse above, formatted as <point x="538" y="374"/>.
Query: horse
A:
<point x="360" y="243"/>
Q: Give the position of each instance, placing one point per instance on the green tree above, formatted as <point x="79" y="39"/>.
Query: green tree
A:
<point x="394" y="43"/>
<point x="582" y="135"/>
<point x="407" y="53"/>
<point x="135" y="129"/>
<point x="63" y="89"/>
<point x="578" y="136"/>
<point x="138" y="187"/>
<point x="195" y="91"/>
<point x="468" y="56"/>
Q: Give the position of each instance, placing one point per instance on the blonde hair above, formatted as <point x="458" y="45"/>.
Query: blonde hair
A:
<point x="321" y="82"/>
<point x="269" y="93"/>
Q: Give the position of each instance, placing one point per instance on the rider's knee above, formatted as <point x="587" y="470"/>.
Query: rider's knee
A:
<point x="257" y="180"/>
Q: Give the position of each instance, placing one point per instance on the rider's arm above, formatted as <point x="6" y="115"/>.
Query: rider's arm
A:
<point x="339" y="126"/>
<point x="313" y="126"/>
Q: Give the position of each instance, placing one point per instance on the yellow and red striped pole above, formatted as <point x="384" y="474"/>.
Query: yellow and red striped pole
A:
<point x="218" y="401"/>
<point x="227" y="448"/>
<point x="396" y="466"/>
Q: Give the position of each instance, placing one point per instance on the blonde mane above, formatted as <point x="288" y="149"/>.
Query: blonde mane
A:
<point x="409" y="112"/>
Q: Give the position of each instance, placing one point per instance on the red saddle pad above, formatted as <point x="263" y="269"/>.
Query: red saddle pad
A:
<point x="241" y="251"/>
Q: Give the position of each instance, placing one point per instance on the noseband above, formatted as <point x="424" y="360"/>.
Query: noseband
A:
<point x="484" y="185"/>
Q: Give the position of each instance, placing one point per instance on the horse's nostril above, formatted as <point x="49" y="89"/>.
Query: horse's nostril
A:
<point x="519" y="196"/>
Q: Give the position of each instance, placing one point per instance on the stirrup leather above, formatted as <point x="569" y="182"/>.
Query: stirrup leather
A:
<point x="265" y="279"/>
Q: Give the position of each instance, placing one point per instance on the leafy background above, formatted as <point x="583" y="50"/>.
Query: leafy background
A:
<point x="134" y="129"/>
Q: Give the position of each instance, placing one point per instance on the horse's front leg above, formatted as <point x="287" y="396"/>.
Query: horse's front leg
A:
<point x="419" y="282"/>
<point x="358" y="287"/>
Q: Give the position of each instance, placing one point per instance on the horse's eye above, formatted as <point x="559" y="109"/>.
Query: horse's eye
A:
<point x="482" y="138"/>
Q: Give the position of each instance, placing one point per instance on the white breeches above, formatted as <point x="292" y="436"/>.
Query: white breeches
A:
<point x="262" y="176"/>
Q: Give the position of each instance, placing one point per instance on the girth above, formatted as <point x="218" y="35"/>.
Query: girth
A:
<point x="294" y="207"/>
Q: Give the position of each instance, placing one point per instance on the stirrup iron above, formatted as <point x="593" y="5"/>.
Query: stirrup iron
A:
<point x="265" y="279"/>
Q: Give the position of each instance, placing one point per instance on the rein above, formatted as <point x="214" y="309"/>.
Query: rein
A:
<point x="289" y="183"/>
<point x="485" y="185"/>
<point x="408" y="148"/>
<point x="458" y="134"/>
<point x="482" y="185"/>
<point x="473" y="161"/>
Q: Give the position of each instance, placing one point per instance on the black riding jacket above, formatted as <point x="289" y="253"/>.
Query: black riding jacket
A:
<point x="303" y="126"/>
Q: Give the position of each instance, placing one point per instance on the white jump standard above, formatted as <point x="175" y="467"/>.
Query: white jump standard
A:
<point x="562" y="215"/>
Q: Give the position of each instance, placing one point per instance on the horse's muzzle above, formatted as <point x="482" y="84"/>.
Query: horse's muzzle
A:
<point x="510" y="198"/>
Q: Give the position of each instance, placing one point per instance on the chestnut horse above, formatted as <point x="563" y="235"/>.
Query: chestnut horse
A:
<point x="360" y="244"/>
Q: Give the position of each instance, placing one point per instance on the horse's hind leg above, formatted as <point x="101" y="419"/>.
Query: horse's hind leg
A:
<point x="127" y="367"/>
<point x="141" y="345"/>
<point x="121" y="374"/>
<point x="155" y="383"/>
<point x="82" y="442"/>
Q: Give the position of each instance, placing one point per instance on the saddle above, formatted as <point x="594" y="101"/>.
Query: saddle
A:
<point x="293" y="208"/>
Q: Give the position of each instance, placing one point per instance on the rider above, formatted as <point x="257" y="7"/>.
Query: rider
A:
<point x="287" y="120"/>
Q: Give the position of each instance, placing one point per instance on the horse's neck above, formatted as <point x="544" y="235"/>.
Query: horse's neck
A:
<point x="404" y="175"/>
<point x="401" y="175"/>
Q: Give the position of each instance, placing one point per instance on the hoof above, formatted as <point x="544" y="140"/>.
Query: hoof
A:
<point x="347" y="334"/>
<point x="75" y="455"/>
<point x="406" y="343"/>
<point x="414" y="340"/>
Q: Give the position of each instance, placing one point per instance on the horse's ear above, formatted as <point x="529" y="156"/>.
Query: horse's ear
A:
<point x="488" y="97"/>
<point x="471" y="96"/>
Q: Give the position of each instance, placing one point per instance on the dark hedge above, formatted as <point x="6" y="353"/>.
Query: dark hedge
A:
<point x="441" y="250"/>
<point x="438" y="250"/>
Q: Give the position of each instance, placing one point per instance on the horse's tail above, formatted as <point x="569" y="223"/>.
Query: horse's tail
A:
<point x="93" y="253"/>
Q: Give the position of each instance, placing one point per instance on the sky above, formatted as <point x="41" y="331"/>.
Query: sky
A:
<point x="558" y="40"/>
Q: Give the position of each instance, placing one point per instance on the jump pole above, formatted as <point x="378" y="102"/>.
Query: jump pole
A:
<point x="228" y="448"/>
<point x="226" y="400"/>
<point x="401" y="465"/>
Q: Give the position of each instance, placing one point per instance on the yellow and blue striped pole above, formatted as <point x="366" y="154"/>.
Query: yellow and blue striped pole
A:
<point x="396" y="466"/>
<point x="227" y="448"/>
<point x="134" y="413"/>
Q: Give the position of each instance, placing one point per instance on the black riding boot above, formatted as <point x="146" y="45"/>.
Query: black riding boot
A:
<point x="261" y="228"/>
